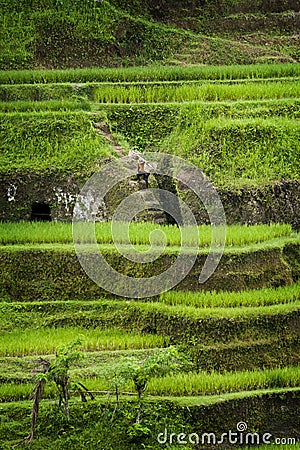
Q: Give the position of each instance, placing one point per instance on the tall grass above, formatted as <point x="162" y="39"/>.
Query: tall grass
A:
<point x="243" y="109"/>
<point x="147" y="91"/>
<point x="43" y="341"/>
<point x="182" y="384"/>
<point x="223" y="299"/>
<point x="214" y="383"/>
<point x="15" y="392"/>
<point x="48" y="140"/>
<point x="50" y="105"/>
<point x="151" y="73"/>
<point x="40" y="92"/>
<point x="139" y="233"/>
<point x="192" y="92"/>
<point x="218" y="313"/>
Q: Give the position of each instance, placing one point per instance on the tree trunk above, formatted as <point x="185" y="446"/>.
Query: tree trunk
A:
<point x="116" y="405"/>
<point x="38" y="394"/>
<point x="35" y="408"/>
<point x="138" y="419"/>
<point x="66" y="399"/>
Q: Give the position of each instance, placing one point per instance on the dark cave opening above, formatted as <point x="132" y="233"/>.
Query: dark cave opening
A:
<point x="40" y="211"/>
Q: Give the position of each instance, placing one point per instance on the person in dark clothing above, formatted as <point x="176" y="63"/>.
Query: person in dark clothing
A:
<point x="141" y="173"/>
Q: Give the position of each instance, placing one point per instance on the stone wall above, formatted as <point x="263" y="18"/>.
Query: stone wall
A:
<point x="275" y="203"/>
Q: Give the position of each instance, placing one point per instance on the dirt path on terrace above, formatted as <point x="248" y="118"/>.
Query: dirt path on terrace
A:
<point x="103" y="129"/>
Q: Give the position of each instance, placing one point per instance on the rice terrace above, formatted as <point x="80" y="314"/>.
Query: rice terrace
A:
<point x="188" y="114"/>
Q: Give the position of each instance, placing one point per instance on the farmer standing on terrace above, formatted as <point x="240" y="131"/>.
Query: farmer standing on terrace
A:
<point x="142" y="173"/>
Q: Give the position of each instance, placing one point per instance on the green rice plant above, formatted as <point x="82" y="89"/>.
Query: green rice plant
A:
<point x="45" y="340"/>
<point x="192" y="92"/>
<point x="219" y="312"/>
<point x="50" y="105"/>
<point x="99" y="383"/>
<point x="19" y="392"/>
<point x="23" y="232"/>
<point x="210" y="383"/>
<point x="41" y="92"/>
<point x="243" y="109"/>
<point x="214" y="383"/>
<point x="223" y="299"/>
<point x="239" y="235"/>
<point x="151" y="73"/>
<point x="140" y="233"/>
<point x="147" y="125"/>
<point x="147" y="91"/>
<point x="14" y="392"/>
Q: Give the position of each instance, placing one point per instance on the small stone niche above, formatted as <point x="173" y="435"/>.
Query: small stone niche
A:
<point x="41" y="212"/>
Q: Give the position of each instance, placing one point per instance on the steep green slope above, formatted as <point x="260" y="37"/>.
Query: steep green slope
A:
<point x="111" y="33"/>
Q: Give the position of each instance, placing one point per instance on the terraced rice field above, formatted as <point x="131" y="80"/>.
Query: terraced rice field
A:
<point x="237" y="335"/>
